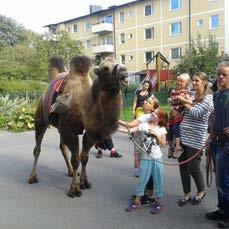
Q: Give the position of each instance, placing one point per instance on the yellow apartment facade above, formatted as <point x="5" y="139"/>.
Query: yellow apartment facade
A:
<point x="135" y="31"/>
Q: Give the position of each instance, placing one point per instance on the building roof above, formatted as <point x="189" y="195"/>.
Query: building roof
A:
<point x="94" y="13"/>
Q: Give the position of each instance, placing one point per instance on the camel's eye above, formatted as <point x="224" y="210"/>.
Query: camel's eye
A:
<point x="96" y="71"/>
<point x="106" y="69"/>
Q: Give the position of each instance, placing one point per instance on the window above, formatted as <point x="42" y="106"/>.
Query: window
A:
<point x="109" y="19"/>
<point x="121" y="17"/>
<point x="149" y="33"/>
<point x="148" y="55"/>
<point x="109" y="40"/>
<point x="175" y="53"/>
<point x="69" y="29"/>
<point x="87" y="25"/>
<point x="75" y="28"/>
<point x="175" y="4"/>
<point x="129" y="14"/>
<point x="214" y="21"/>
<point x="103" y="40"/>
<point x="200" y="23"/>
<point x="148" y="10"/>
<point x="130" y="36"/>
<point x="131" y="57"/>
<point x="88" y="44"/>
<point x="122" y="59"/>
<point x="122" y="38"/>
<point x="175" y="29"/>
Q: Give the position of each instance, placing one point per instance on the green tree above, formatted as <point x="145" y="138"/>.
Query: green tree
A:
<point x="202" y="56"/>
<point x="45" y="46"/>
<point x="25" y="54"/>
<point x="11" y="32"/>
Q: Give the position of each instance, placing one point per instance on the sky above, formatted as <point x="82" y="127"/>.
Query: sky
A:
<point x="34" y="14"/>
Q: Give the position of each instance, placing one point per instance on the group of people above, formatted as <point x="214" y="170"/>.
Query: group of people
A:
<point x="187" y="128"/>
<point x="187" y="137"/>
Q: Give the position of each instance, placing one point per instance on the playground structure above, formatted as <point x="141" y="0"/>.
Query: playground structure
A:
<point x="156" y="76"/>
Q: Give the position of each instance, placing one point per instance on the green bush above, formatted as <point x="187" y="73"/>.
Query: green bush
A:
<point x="22" y="119"/>
<point x="8" y="86"/>
<point x="17" y="115"/>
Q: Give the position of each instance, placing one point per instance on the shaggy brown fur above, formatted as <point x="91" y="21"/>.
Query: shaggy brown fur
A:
<point x="94" y="108"/>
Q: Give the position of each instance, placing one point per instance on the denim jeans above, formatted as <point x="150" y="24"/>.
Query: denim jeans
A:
<point x="150" y="168"/>
<point x="174" y="131"/>
<point x="222" y="177"/>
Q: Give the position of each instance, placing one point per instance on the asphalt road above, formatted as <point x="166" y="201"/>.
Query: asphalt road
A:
<point x="46" y="205"/>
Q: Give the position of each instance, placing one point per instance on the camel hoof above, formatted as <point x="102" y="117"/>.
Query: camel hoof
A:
<point x="33" y="180"/>
<point x="74" y="193"/>
<point x="82" y="186"/>
<point x="87" y="184"/>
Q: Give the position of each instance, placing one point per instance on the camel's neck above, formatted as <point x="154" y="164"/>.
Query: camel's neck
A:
<point x="110" y="107"/>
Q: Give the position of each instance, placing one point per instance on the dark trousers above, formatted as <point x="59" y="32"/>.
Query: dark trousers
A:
<point x="174" y="131"/>
<point x="106" y="144"/>
<point x="191" y="169"/>
<point x="150" y="183"/>
<point x="222" y="177"/>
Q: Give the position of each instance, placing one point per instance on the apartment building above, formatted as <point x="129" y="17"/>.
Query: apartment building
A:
<point x="135" y="31"/>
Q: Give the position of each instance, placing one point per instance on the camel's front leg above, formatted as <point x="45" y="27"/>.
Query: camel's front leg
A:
<point x="72" y="142"/>
<point x="84" y="156"/>
<point x="74" y="189"/>
<point x="39" y="133"/>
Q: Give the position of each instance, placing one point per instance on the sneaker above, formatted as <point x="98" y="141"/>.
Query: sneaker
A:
<point x="216" y="215"/>
<point x="145" y="200"/>
<point x="224" y="223"/>
<point x="184" y="200"/>
<point x="115" y="154"/>
<point x="99" y="154"/>
<point x="133" y="206"/>
<point x="156" y="208"/>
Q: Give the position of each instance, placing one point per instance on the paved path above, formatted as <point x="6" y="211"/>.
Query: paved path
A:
<point x="45" y="205"/>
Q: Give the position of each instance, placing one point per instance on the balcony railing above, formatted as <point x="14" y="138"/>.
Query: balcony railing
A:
<point x="105" y="48"/>
<point x="102" y="28"/>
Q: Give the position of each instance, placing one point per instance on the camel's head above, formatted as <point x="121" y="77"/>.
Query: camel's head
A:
<point x="111" y="76"/>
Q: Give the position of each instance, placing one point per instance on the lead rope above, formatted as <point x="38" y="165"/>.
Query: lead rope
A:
<point x="209" y="167"/>
<point x="170" y="164"/>
<point x="164" y="163"/>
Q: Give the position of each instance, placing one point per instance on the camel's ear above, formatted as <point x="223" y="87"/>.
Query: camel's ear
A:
<point x="96" y="71"/>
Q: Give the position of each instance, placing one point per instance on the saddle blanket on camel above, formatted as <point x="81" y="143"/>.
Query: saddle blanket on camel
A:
<point x="55" y="88"/>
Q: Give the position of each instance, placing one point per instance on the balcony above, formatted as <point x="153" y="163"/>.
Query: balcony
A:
<point x="102" y="28"/>
<point x="105" y="48"/>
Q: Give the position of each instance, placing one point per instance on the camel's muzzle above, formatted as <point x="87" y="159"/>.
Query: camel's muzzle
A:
<point x="119" y="72"/>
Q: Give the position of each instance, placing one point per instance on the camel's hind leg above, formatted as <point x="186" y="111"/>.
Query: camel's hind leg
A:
<point x="84" y="156"/>
<point x="64" y="150"/>
<point x="39" y="133"/>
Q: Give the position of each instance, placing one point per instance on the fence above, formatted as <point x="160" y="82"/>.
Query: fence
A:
<point x="128" y="98"/>
<point x="26" y="95"/>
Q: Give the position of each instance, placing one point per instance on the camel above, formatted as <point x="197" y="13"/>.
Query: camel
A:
<point x="94" y="111"/>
